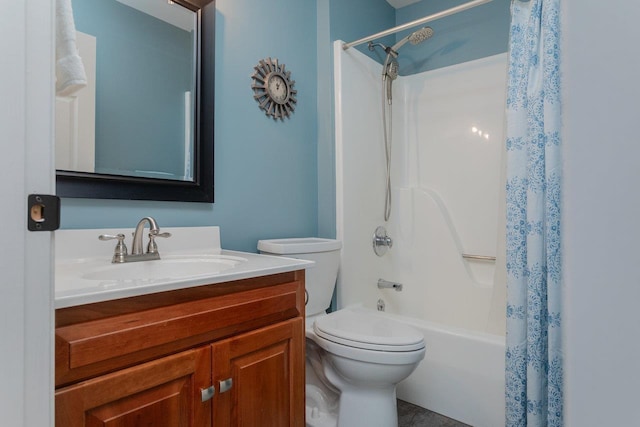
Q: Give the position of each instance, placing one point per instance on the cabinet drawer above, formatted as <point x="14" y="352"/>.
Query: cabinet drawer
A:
<point x="98" y="346"/>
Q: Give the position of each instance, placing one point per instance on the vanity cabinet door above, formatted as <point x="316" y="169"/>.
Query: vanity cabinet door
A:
<point x="266" y="368"/>
<point x="161" y="393"/>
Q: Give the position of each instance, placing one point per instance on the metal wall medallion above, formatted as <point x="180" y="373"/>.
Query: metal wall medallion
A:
<point x="273" y="89"/>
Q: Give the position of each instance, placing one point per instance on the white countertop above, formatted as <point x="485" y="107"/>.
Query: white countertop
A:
<point x="85" y="274"/>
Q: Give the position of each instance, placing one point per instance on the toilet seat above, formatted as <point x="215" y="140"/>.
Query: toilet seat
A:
<point x="368" y="331"/>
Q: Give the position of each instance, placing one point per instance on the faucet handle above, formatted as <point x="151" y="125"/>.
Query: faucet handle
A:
<point x="152" y="248"/>
<point x="119" y="237"/>
<point x="121" y="249"/>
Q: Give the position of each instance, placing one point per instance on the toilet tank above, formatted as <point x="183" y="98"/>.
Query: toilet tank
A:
<point x="320" y="280"/>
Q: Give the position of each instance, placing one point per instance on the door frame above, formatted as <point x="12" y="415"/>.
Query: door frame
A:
<point x="26" y="291"/>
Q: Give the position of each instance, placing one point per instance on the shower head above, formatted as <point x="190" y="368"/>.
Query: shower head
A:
<point x="414" y="38"/>
<point x="421" y="35"/>
<point x="390" y="67"/>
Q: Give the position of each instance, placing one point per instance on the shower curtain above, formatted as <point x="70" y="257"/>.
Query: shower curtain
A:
<point x="534" y="395"/>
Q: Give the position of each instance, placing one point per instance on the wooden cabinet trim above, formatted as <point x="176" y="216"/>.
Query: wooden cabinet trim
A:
<point x="99" y="340"/>
<point x="100" y="310"/>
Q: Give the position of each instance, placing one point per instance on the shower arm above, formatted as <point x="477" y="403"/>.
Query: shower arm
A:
<point x="417" y="22"/>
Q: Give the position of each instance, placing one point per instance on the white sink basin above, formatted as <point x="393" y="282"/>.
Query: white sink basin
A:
<point x="191" y="257"/>
<point x="174" y="267"/>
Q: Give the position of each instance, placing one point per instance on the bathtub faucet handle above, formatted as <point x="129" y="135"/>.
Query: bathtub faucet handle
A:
<point x="381" y="241"/>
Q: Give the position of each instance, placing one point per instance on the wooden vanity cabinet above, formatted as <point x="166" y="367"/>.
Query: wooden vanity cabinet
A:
<point x="154" y="360"/>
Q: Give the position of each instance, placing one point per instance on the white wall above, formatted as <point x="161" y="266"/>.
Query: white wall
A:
<point x="601" y="218"/>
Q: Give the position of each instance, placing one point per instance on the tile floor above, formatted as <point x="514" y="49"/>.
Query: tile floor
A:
<point x="410" y="415"/>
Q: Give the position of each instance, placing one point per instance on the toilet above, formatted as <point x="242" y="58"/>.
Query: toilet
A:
<point x="355" y="357"/>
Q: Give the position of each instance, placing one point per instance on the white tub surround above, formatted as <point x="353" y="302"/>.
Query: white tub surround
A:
<point x="191" y="257"/>
<point x="446" y="178"/>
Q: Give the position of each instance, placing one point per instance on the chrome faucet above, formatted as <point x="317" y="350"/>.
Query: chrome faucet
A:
<point x="136" y="247"/>
<point x="137" y="254"/>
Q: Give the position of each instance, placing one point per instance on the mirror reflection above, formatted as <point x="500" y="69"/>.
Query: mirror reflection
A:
<point x="136" y="116"/>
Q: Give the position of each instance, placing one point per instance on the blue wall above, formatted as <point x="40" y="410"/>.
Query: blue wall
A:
<point x="265" y="171"/>
<point x="355" y="19"/>
<point x="475" y="33"/>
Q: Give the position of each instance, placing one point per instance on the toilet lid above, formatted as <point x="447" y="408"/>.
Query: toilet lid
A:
<point x="368" y="331"/>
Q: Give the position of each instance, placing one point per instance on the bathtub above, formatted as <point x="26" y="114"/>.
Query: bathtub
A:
<point x="461" y="376"/>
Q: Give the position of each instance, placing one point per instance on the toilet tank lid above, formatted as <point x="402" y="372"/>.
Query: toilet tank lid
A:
<point x="301" y="245"/>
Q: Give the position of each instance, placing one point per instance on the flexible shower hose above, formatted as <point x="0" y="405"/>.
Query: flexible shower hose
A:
<point x="386" y="103"/>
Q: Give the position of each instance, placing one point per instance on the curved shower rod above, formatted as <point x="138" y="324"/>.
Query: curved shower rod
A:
<point x="417" y="22"/>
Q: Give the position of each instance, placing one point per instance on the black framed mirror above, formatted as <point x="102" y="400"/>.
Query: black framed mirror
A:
<point x="195" y="184"/>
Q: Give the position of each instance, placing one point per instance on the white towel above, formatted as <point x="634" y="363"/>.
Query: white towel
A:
<point x="70" y="74"/>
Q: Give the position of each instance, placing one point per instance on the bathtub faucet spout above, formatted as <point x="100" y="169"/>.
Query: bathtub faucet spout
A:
<point x="384" y="284"/>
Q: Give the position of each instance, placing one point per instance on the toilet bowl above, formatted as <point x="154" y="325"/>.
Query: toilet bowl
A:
<point x="364" y="356"/>
<point x="355" y="357"/>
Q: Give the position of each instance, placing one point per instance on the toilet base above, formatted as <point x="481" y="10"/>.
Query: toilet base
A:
<point x="361" y="409"/>
<point x="321" y="404"/>
<point x="318" y="414"/>
<point x="364" y="404"/>
<point x="366" y="408"/>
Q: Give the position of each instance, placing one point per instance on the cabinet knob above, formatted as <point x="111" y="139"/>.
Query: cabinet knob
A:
<point x="226" y="385"/>
<point x="207" y="393"/>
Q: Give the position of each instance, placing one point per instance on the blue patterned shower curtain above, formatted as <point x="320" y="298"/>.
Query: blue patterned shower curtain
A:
<point x="534" y="394"/>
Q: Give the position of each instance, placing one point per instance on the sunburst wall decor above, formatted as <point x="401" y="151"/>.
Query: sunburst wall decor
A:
<point x="273" y="89"/>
